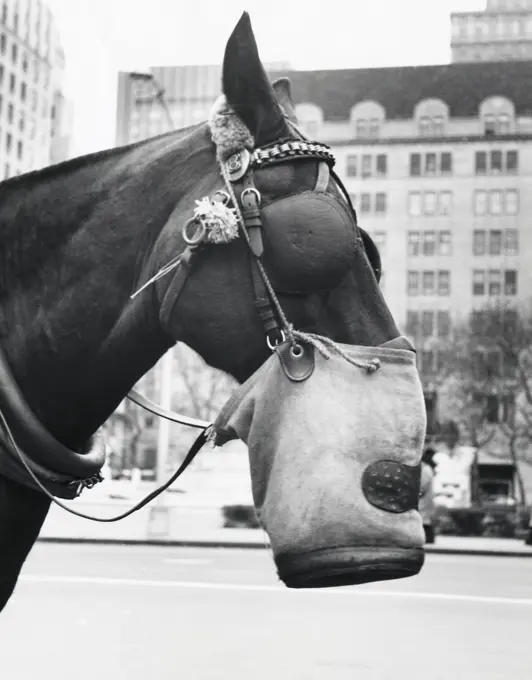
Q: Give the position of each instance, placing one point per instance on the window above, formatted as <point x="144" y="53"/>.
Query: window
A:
<point x="480" y="202"/>
<point x="12" y="82"/>
<point x="503" y="124"/>
<point x="495" y="202"/>
<point x="511" y="242"/>
<point x="444" y="324"/>
<point x="429" y="243"/>
<point x="415" y="164"/>
<point x="429" y="202"/>
<point x="413" y="283"/>
<point x="379" y="239"/>
<point x="365" y="203"/>
<point x="489" y="125"/>
<point x="23" y="91"/>
<point x="413" y="243"/>
<point x="382" y="165"/>
<point x="494" y="282"/>
<point x="444" y="282"/>
<point x="479" y="282"/>
<point x="412" y="323"/>
<point x="495" y="243"/>
<point x="512" y="161"/>
<point x="446" y="163"/>
<point x="480" y="163"/>
<point x="351" y="166"/>
<point x="20" y="150"/>
<point x="361" y="128"/>
<point x="496" y="162"/>
<point x="14" y="53"/>
<point x="430" y="164"/>
<point x="427" y="361"/>
<point x="374" y="128"/>
<point x="445" y="202"/>
<point x="366" y="166"/>
<point x="512" y="202"/>
<point x="425" y="126"/>
<point x="427" y="324"/>
<point x="380" y="203"/>
<point x="429" y="283"/>
<point x="444" y="243"/>
<point x="437" y="126"/>
<point x="414" y="203"/>
<point x="479" y="242"/>
<point x="510" y="282"/>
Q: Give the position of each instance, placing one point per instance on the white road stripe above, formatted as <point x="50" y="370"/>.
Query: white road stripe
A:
<point x="192" y="585"/>
<point x="186" y="560"/>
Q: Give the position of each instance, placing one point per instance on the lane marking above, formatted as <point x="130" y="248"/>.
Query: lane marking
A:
<point x="195" y="585"/>
<point x="185" y="560"/>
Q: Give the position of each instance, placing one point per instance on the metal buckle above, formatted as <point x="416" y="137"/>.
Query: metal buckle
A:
<point x="237" y="165"/>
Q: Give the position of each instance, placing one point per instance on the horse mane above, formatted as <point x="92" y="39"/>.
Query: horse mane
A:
<point x="41" y="210"/>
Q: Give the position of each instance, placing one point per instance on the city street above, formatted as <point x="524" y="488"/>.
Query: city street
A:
<point x="121" y="613"/>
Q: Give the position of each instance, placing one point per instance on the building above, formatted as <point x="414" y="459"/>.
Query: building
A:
<point x="438" y="160"/>
<point x="31" y="105"/>
<point x="189" y="93"/>
<point x="503" y="31"/>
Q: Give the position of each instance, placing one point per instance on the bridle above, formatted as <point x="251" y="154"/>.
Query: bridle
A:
<point x="243" y="198"/>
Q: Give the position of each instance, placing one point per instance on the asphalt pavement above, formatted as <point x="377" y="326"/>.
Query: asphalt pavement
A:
<point x="129" y="612"/>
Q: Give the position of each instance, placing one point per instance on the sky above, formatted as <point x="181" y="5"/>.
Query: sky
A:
<point x="101" y="37"/>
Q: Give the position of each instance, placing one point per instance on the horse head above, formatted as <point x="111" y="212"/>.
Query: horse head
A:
<point x="334" y="418"/>
<point x="324" y="269"/>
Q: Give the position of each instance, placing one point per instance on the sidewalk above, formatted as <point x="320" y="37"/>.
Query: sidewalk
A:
<point x="185" y="524"/>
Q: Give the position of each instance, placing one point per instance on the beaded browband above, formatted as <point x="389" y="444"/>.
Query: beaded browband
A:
<point x="291" y="149"/>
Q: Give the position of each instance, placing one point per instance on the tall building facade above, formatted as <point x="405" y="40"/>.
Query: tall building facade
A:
<point x="189" y="93"/>
<point x="32" y="129"/>
<point x="502" y="32"/>
<point x="438" y="161"/>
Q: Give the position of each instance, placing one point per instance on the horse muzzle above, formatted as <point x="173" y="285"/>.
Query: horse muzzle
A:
<point x="335" y="440"/>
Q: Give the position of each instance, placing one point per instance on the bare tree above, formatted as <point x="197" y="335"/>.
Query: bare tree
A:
<point x="486" y="384"/>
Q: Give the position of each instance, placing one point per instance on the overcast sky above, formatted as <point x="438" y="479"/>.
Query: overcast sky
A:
<point x="101" y="37"/>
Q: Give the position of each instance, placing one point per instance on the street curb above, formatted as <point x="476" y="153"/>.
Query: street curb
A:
<point x="248" y="545"/>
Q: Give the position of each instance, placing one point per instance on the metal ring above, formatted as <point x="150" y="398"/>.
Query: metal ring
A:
<point x="199" y="234"/>
<point x="251" y="190"/>
<point x="225" y="198"/>
<point x="280" y="339"/>
<point x="296" y="350"/>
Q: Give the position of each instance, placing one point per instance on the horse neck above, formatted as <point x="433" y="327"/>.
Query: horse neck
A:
<point x="73" y="338"/>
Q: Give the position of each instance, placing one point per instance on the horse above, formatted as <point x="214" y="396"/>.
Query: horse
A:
<point x="79" y="238"/>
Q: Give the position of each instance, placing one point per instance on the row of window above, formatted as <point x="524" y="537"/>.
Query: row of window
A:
<point x="496" y="202"/>
<point x="429" y="243"/>
<point x="496" y="242"/>
<point x="428" y="282"/>
<point x="11" y="145"/>
<point x="494" y="282"/>
<point x="371" y="203"/>
<point x="367" y="165"/>
<point x="430" y="203"/>
<point x="23" y="93"/>
<point x="494" y="162"/>
<point x="36" y="26"/>
<point x="27" y="65"/>
<point x="428" y="323"/>
<point x="434" y="126"/>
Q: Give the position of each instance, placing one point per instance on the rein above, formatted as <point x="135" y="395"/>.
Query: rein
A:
<point x="237" y="209"/>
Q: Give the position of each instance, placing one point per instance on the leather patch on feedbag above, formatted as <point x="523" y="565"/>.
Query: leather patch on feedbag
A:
<point x="392" y="486"/>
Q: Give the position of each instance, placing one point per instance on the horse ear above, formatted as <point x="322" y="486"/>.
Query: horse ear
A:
<point x="283" y="91"/>
<point x="247" y="88"/>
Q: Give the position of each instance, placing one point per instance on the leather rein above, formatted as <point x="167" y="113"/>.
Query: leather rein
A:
<point x="245" y="200"/>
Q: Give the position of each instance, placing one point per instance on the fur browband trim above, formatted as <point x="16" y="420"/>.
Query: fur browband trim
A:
<point x="227" y="130"/>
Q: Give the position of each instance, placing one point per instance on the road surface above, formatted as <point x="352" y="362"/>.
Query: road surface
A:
<point x="85" y="612"/>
